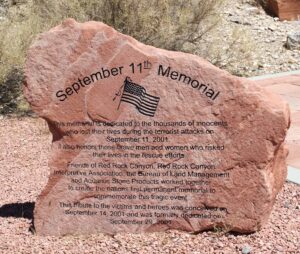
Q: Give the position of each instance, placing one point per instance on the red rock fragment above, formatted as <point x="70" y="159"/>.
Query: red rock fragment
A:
<point x="285" y="9"/>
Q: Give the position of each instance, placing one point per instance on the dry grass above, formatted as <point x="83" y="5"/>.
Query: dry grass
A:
<point x="167" y="24"/>
<point x="236" y="55"/>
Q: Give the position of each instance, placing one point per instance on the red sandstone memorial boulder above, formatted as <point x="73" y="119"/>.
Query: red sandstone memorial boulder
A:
<point x="288" y="87"/>
<point x="148" y="140"/>
<point x="285" y="9"/>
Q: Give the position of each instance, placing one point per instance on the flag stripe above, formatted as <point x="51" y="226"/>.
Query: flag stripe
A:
<point x="140" y="92"/>
<point x="142" y="99"/>
<point x="137" y="104"/>
<point x="146" y="114"/>
<point x="142" y="102"/>
<point x="142" y="110"/>
<point x="145" y="95"/>
<point x="152" y="98"/>
<point x="137" y="96"/>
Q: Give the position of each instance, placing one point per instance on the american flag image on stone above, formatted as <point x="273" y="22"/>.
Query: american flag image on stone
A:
<point x="136" y="95"/>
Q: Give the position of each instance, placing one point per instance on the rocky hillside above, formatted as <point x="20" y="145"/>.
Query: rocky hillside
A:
<point x="254" y="43"/>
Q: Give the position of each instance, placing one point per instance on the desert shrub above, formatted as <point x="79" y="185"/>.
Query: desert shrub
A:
<point x="11" y="96"/>
<point x="183" y="25"/>
<point x="167" y="24"/>
<point x="238" y="55"/>
<point x="161" y="23"/>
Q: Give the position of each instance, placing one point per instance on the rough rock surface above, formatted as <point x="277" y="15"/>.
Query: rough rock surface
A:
<point x="267" y="35"/>
<point x="293" y="41"/>
<point x="289" y="88"/>
<point x="246" y="149"/>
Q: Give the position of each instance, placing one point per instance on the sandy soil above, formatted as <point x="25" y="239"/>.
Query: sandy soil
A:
<point x="24" y="148"/>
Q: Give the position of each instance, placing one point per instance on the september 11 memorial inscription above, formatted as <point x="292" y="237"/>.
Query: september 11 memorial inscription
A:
<point x="148" y="140"/>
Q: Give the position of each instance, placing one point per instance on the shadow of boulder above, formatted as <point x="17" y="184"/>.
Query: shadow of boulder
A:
<point x="18" y="210"/>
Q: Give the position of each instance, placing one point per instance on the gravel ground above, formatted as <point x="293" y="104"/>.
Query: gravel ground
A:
<point x="24" y="148"/>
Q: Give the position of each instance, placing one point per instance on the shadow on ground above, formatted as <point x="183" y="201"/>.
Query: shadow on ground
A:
<point x="18" y="210"/>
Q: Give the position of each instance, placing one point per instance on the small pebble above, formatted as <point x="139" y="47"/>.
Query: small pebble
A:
<point x="246" y="250"/>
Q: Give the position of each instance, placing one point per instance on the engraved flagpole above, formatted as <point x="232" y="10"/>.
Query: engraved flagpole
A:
<point x="119" y="92"/>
